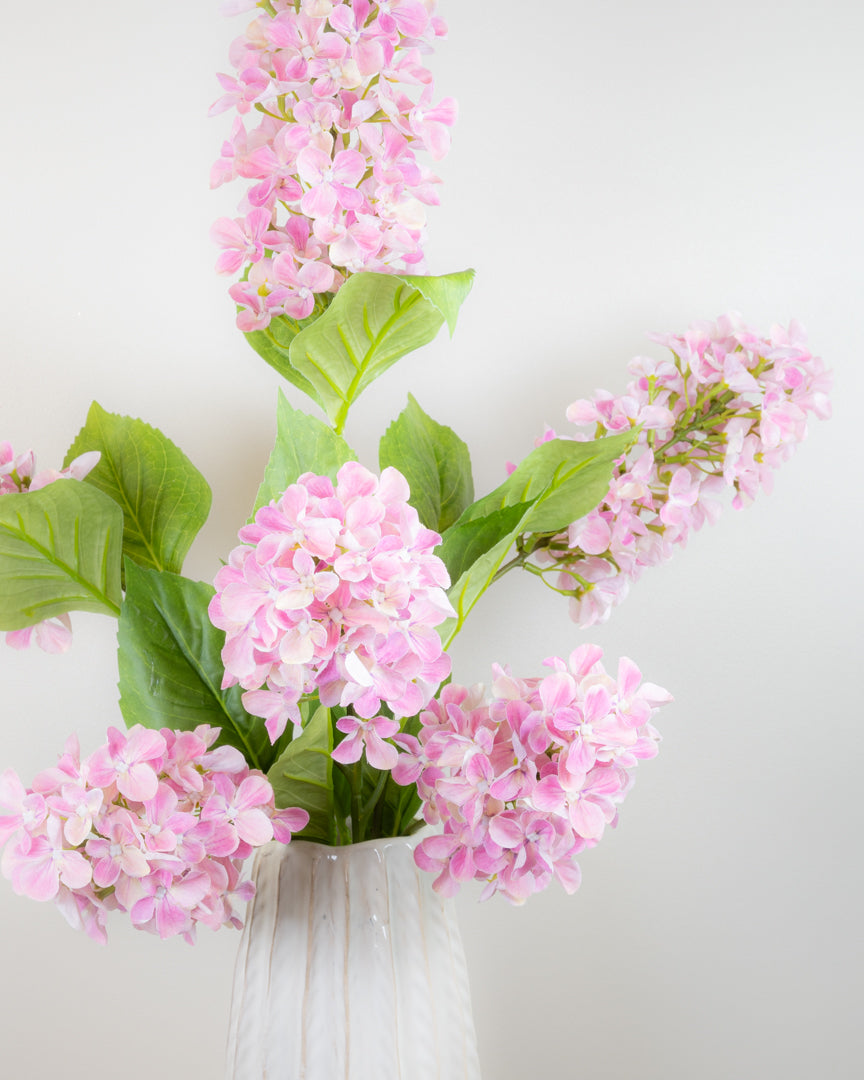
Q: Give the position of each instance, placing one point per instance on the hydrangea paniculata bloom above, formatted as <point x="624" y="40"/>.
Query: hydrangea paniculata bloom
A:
<point x="725" y="411"/>
<point x="334" y="589"/>
<point x="17" y="475"/>
<point x="154" y="823"/>
<point x="526" y="779"/>
<point x="342" y="103"/>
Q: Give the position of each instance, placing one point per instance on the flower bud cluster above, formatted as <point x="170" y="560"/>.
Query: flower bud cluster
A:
<point x="154" y="823"/>
<point x="335" y="183"/>
<point x="725" y="411"/>
<point x="524" y="781"/>
<point x="334" y="589"/>
<point x="17" y="475"/>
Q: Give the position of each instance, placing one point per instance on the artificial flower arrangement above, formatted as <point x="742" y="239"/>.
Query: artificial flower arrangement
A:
<point x="306" y="695"/>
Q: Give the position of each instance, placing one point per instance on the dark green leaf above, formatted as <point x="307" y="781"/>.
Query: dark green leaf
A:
<point x="434" y="461"/>
<point x="59" y="552"/>
<point x="169" y="656"/>
<point x="467" y="541"/>
<point x="303" y="776"/>
<point x="303" y="444"/>
<point x="165" y="500"/>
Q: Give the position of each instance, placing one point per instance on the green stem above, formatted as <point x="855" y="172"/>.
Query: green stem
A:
<point x="356" y="777"/>
<point x="372" y="801"/>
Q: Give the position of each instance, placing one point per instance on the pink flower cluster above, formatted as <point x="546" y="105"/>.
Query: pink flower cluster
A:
<point x="724" y="412"/>
<point x="18" y="474"/>
<point x="336" y="187"/>
<point x="525" y="781"/>
<point x="334" y="589"/>
<point x="154" y="823"/>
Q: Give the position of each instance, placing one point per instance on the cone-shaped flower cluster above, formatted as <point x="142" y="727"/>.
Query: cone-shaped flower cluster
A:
<point x="154" y="823"/>
<point x="334" y="589"/>
<point x="724" y="412"/>
<point x="335" y="184"/>
<point x="523" y="782"/>
<point x="17" y="475"/>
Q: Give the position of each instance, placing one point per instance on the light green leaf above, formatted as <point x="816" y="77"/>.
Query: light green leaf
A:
<point x="565" y="478"/>
<point x="303" y="776"/>
<point x="165" y="500"/>
<point x="303" y="444"/>
<point x="273" y="344"/>
<point x="169" y="656"/>
<point x="59" y="552"/>
<point x="373" y="320"/>
<point x="557" y="483"/>
<point x="434" y="461"/>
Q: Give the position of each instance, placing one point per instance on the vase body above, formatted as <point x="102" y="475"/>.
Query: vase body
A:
<point x="350" y="968"/>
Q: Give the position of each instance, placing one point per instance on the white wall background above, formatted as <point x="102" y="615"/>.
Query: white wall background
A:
<point x="617" y="168"/>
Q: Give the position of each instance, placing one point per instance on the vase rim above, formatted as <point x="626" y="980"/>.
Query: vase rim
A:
<point x="376" y="842"/>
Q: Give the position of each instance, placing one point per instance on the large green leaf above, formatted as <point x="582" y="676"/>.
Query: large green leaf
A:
<point x="165" y="500"/>
<point x="59" y="552"/>
<point x="373" y="320"/>
<point x="303" y="444"/>
<point x="169" y="656"/>
<point x="434" y="461"/>
<point x="556" y="484"/>
<point x="303" y="776"/>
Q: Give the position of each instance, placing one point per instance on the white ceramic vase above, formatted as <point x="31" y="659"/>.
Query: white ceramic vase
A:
<point x="350" y="968"/>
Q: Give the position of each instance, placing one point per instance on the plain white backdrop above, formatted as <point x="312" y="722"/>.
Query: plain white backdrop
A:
<point x="616" y="168"/>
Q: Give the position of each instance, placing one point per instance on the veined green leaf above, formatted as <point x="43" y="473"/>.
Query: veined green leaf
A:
<point x="434" y="461"/>
<point x="303" y="444"/>
<point x="59" y="552"/>
<point x="373" y="320"/>
<point x="273" y="344"/>
<point x="169" y="656"/>
<point x="164" y="498"/>
<point x="303" y="776"/>
<point x="557" y="483"/>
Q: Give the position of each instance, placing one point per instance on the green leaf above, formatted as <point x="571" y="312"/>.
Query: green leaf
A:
<point x="273" y="345"/>
<point x="169" y="656"/>
<point x="303" y="776"/>
<point x="447" y="293"/>
<point x="373" y="320"/>
<point x="556" y="484"/>
<point x="434" y="461"/>
<point x="59" y="552"/>
<point x="564" y="478"/>
<point x="303" y="444"/>
<point x="468" y="541"/>
<point x="165" y="500"/>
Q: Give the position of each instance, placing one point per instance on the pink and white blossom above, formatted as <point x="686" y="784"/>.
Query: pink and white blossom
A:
<point x="154" y="823"/>
<point x="523" y="780"/>
<point x="335" y="589"/>
<point x="332" y="105"/>
<point x="721" y="415"/>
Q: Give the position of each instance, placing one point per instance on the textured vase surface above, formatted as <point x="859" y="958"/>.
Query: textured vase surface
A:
<point x="350" y="968"/>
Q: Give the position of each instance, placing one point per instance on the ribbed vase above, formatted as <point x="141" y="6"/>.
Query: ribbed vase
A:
<point x="350" y="968"/>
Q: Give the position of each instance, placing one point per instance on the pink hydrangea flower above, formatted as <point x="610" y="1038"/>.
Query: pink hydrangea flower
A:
<point x="525" y="779"/>
<point x="154" y="823"/>
<point x="725" y="412"/>
<point x="334" y="589"/>
<point x="343" y="105"/>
